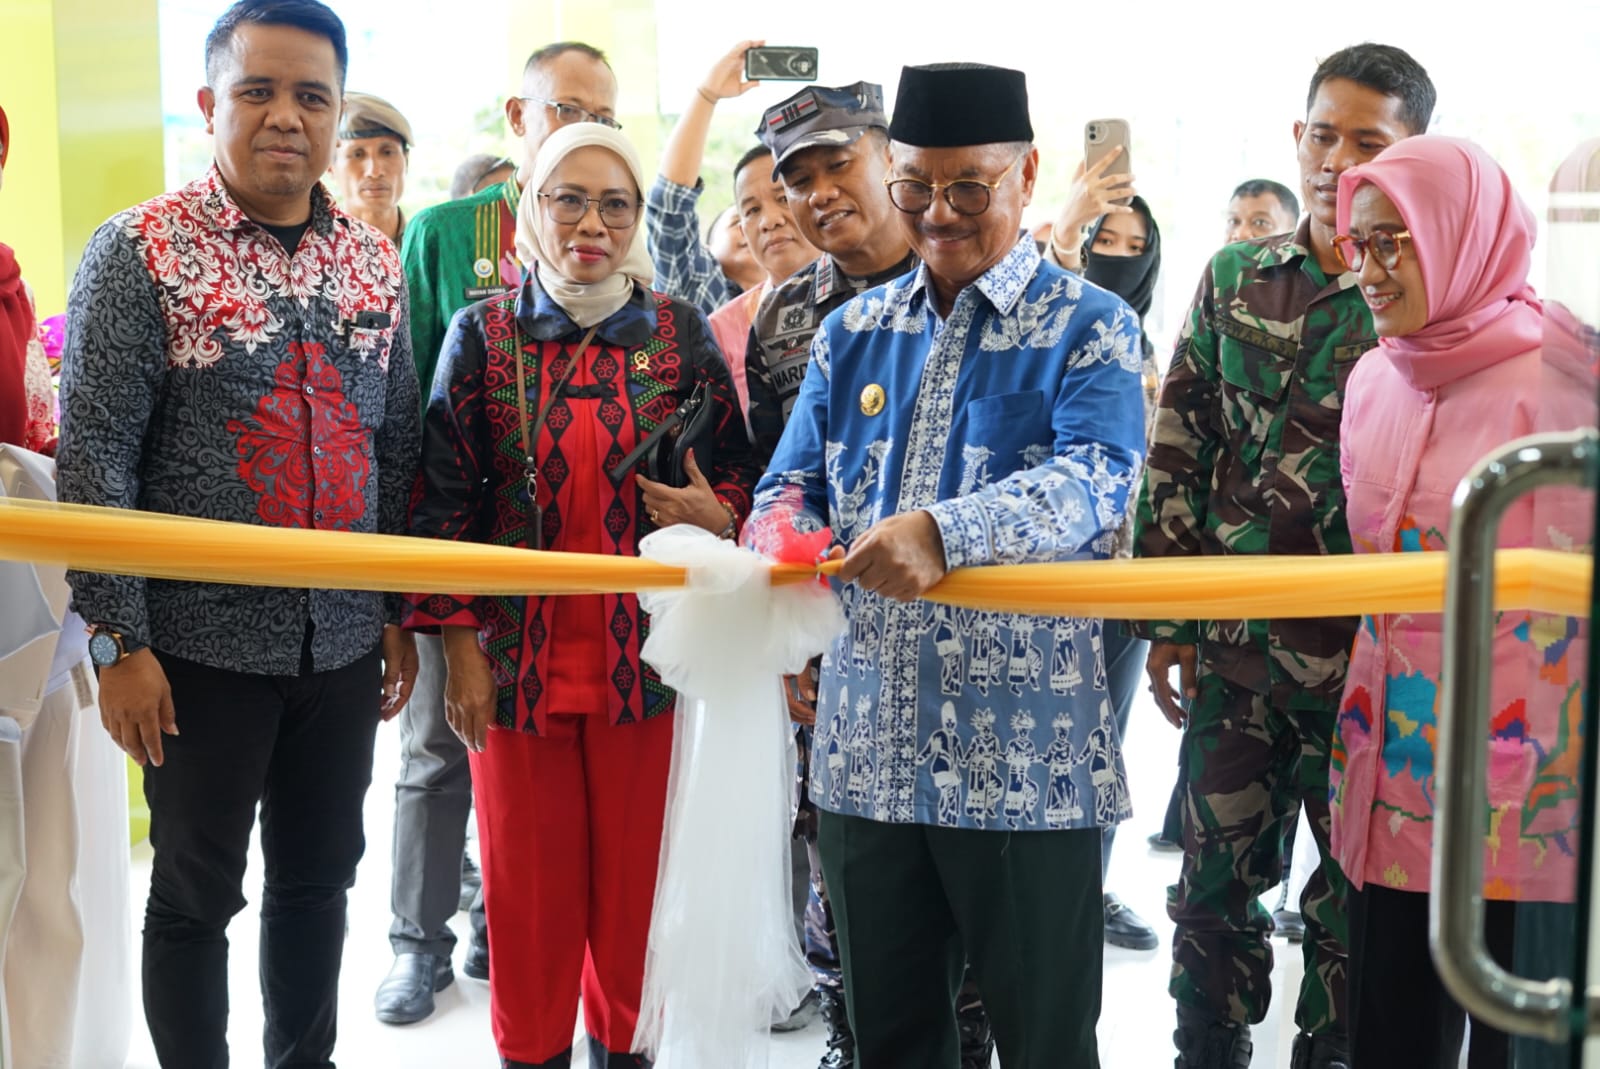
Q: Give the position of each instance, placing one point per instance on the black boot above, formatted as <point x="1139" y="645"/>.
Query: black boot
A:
<point x="977" y="1039"/>
<point x="1320" y="1052"/>
<point x="1205" y="1042"/>
<point x="600" y="1058"/>
<point x="841" y="1052"/>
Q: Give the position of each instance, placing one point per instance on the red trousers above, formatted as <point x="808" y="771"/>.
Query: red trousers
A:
<point x="569" y="828"/>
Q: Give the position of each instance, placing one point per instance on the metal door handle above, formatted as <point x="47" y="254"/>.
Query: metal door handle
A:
<point x="1494" y="996"/>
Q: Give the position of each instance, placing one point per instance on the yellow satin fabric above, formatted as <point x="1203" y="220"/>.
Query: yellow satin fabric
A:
<point x="125" y="542"/>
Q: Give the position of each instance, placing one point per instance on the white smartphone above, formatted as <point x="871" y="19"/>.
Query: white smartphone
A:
<point x="1100" y="136"/>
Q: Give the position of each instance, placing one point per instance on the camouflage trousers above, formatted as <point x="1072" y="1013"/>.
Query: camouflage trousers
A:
<point x="1249" y="767"/>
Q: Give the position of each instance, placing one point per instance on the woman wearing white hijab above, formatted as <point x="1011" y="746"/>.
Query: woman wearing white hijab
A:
<point x="570" y="792"/>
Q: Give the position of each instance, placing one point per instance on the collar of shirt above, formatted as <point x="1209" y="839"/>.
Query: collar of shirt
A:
<point x="221" y="213"/>
<point x="1003" y="284"/>
<point x="1294" y="251"/>
<point x="542" y="318"/>
<point x="830" y="277"/>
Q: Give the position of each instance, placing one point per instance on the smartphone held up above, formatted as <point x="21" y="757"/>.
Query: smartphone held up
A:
<point x="777" y="63"/>
<point x="1101" y="137"/>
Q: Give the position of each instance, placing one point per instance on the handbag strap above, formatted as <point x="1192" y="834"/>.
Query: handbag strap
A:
<point x="663" y="428"/>
<point x="530" y="436"/>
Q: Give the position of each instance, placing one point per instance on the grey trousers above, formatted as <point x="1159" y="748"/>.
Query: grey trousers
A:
<point x="432" y="801"/>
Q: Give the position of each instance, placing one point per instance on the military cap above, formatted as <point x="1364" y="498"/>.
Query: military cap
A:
<point x="821" y="115"/>
<point x="368" y="116"/>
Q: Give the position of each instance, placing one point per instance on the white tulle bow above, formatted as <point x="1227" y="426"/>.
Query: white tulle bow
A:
<point x="723" y="963"/>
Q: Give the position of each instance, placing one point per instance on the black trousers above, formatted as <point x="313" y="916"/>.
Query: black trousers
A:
<point x="1400" y="1015"/>
<point x="301" y="747"/>
<point x="913" y="903"/>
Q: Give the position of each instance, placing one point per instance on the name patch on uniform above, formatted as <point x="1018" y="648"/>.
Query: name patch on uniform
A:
<point x="479" y="293"/>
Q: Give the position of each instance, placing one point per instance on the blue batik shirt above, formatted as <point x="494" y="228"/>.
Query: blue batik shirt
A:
<point x="1017" y="422"/>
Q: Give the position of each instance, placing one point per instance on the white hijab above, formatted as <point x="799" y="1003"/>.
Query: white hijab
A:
<point x="587" y="303"/>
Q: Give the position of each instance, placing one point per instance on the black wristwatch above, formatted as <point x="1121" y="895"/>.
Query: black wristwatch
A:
<point x="108" y="646"/>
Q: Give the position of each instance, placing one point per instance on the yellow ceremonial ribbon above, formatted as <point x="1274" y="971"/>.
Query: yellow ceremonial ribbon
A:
<point x="125" y="542"/>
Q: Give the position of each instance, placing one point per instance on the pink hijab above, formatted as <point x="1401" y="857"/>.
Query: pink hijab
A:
<point x="1473" y="238"/>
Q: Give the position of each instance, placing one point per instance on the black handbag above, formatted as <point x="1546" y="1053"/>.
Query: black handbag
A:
<point x="692" y="428"/>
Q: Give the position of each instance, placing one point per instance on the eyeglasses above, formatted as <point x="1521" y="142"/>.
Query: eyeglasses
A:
<point x="571" y="113"/>
<point x="618" y="211"/>
<point x="1387" y="248"/>
<point x="967" y="196"/>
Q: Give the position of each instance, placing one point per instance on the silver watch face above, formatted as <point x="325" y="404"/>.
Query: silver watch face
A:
<point x="103" y="649"/>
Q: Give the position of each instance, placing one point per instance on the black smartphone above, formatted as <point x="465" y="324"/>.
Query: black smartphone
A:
<point x="779" y="64"/>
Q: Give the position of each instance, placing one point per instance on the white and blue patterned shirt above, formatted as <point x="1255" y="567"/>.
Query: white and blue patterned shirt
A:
<point x="1018" y="424"/>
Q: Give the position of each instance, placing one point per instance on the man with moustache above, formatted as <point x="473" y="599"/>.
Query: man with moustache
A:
<point x="238" y="350"/>
<point x="1259" y="208"/>
<point x="1244" y="459"/>
<point x="371" y="161"/>
<point x="830" y="152"/>
<point x="456" y="254"/>
<point x="983" y="409"/>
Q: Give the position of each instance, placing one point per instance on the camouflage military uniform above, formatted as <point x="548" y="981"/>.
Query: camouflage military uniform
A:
<point x="780" y="339"/>
<point x="1244" y="459"/>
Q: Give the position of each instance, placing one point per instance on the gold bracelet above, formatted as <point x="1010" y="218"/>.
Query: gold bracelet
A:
<point x="732" y="529"/>
<point x="707" y="97"/>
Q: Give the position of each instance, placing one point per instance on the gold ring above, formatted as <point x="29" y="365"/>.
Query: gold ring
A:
<point x="655" y="516"/>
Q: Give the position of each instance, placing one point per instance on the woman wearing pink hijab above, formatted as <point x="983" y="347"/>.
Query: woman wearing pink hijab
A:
<point x="1441" y="245"/>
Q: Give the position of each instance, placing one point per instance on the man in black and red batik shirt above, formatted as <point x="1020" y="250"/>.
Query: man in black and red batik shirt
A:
<point x="238" y="350"/>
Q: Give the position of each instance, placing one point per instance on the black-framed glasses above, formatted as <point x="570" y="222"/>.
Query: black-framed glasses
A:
<point x="1388" y="249"/>
<point x="966" y="196"/>
<point x="567" y="205"/>
<point x="571" y="113"/>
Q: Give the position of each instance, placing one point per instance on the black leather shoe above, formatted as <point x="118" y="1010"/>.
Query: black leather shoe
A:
<point x="1160" y="842"/>
<point x="1205" y="1042"/>
<point x="1319" y="1052"/>
<point x="476" y="963"/>
<point x="406" y="994"/>
<point x="1125" y="928"/>
<point x="1289" y="924"/>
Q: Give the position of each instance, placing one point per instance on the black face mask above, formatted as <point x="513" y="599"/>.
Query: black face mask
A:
<point x="1133" y="278"/>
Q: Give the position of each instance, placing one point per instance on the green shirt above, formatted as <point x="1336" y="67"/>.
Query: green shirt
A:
<point x="1244" y="453"/>
<point x="455" y="254"/>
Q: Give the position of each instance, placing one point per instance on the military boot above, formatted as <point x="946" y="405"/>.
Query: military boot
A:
<point x="1204" y="1042"/>
<point x="1320" y="1052"/>
<point x="841" y="1052"/>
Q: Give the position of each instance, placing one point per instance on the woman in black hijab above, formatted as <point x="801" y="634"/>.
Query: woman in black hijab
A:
<point x="1123" y="254"/>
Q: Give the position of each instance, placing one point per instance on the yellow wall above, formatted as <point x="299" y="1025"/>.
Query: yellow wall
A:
<point x="81" y="85"/>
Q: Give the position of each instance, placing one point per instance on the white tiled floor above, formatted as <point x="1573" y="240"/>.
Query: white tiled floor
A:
<point x="1135" y="1025"/>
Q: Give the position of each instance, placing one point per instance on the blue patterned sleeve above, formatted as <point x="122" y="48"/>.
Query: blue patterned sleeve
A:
<point x="1072" y="502"/>
<point x="792" y="497"/>
<point x="111" y="374"/>
<point x="684" y="267"/>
